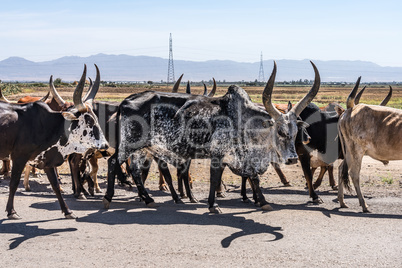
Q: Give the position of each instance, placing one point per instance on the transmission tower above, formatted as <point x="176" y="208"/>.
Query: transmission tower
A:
<point x="261" y="77"/>
<point x="170" y="76"/>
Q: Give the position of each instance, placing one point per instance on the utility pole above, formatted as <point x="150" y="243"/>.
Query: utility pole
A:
<point x="261" y="74"/>
<point x="170" y="75"/>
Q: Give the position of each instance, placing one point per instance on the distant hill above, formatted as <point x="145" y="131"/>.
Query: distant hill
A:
<point x="144" y="68"/>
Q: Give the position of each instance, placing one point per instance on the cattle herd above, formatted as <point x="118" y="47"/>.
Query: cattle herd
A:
<point x="175" y="128"/>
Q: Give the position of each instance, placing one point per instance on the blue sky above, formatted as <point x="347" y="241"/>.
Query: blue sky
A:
<point x="204" y="30"/>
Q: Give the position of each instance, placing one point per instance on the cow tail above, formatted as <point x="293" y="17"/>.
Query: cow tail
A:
<point x="344" y="173"/>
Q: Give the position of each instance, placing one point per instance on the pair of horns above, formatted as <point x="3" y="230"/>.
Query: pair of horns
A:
<point x="188" y="89"/>
<point x="352" y="101"/>
<point x="299" y="107"/>
<point x="77" y="96"/>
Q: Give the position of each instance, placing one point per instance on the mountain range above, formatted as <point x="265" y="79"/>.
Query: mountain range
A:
<point x="146" y="68"/>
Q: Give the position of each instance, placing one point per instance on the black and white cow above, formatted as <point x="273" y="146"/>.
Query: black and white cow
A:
<point x="33" y="132"/>
<point x="229" y="130"/>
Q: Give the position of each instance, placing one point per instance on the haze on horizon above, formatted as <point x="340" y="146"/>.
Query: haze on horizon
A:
<point x="204" y="30"/>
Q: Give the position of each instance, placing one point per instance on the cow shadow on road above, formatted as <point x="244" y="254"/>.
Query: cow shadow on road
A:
<point x="28" y="230"/>
<point x="166" y="217"/>
<point x="169" y="213"/>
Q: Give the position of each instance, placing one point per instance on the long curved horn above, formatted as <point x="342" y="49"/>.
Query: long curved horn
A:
<point x="205" y="90"/>
<point x="350" y="102"/>
<point x="54" y="92"/>
<point x="358" y="95"/>
<point x="77" y="96"/>
<point x="44" y="98"/>
<point x="267" y="94"/>
<point x="177" y="84"/>
<point x="188" y="89"/>
<point x="89" y="88"/>
<point x="387" y="98"/>
<point x="212" y="93"/>
<point x="2" y="98"/>
<point x="299" y="107"/>
<point x="93" y="89"/>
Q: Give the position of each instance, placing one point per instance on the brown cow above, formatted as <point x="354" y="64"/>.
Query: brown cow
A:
<point x="371" y="130"/>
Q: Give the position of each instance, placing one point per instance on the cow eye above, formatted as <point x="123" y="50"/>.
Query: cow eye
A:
<point x="282" y="132"/>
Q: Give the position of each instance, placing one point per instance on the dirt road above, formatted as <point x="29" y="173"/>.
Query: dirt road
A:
<point x="296" y="234"/>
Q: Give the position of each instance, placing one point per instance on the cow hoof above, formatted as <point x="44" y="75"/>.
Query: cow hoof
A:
<point x="220" y="194"/>
<point x="247" y="201"/>
<point x="287" y="184"/>
<point x="343" y="205"/>
<point x="318" y="201"/>
<point x="152" y="205"/>
<point x="14" y="216"/>
<point x="98" y="190"/>
<point x="163" y="188"/>
<point x="267" y="207"/>
<point x="365" y="210"/>
<point x="106" y="203"/>
<point x="179" y="201"/>
<point x="70" y="216"/>
<point x="193" y="200"/>
<point x="335" y="188"/>
<point x="28" y="189"/>
<point x="215" y="209"/>
<point x="81" y="197"/>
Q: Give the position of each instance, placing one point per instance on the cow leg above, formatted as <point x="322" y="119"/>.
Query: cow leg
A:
<point x="164" y="170"/>
<point x="74" y="161"/>
<point x="6" y="169"/>
<point x="54" y="182"/>
<point x="280" y="174"/>
<point x="355" y="175"/>
<point x="35" y="172"/>
<point x="93" y="161"/>
<point x="135" y="172"/>
<point x="180" y="183"/>
<point x="342" y="172"/>
<point x="318" y="182"/>
<point x="145" y="170"/>
<point x="26" y="177"/>
<point x="304" y="158"/>
<point x="220" y="192"/>
<point x="184" y="171"/>
<point x="112" y="165"/>
<point x="332" y="182"/>
<point x="216" y="171"/>
<point x="258" y="194"/>
<point x="162" y="184"/>
<point x="18" y="167"/>
<point x="58" y="177"/>
<point x="190" y="180"/>
<point x="243" y="191"/>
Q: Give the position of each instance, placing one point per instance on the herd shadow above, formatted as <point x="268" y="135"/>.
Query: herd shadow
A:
<point x="126" y="210"/>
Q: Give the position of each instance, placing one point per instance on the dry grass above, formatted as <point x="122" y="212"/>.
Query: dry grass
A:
<point x="327" y="94"/>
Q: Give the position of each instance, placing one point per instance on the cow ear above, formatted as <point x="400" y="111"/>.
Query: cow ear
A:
<point x="69" y="116"/>
<point x="339" y="110"/>
<point x="302" y="124"/>
<point x="268" y="123"/>
<point x="289" y="106"/>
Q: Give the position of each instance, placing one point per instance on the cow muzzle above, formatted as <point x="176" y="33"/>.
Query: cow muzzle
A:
<point x="103" y="146"/>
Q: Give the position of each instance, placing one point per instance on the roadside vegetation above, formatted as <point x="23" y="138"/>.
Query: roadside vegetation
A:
<point x="283" y="91"/>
